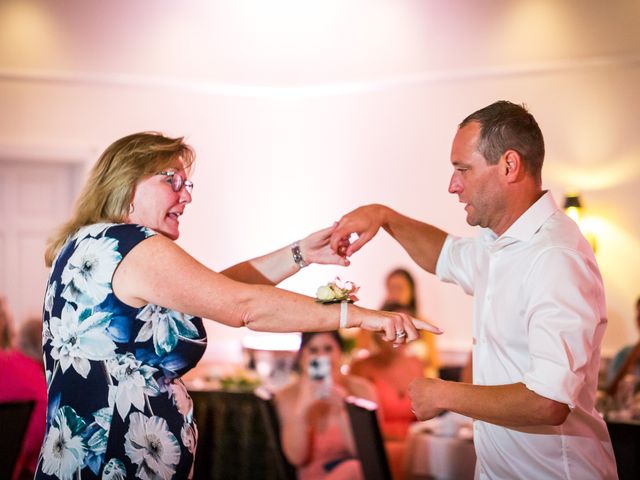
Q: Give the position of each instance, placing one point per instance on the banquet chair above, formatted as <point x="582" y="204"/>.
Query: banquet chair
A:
<point x="269" y="415"/>
<point x="14" y="420"/>
<point x="368" y="438"/>
<point x="625" y="440"/>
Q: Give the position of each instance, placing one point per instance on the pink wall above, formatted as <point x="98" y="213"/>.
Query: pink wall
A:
<point x="304" y="111"/>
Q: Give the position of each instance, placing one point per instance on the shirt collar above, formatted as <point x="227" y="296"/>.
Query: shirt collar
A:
<point x="527" y="224"/>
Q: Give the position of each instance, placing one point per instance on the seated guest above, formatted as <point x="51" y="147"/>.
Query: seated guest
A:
<point x="400" y="290"/>
<point x="626" y="361"/>
<point x="22" y="376"/>
<point x="315" y="430"/>
<point x="391" y="370"/>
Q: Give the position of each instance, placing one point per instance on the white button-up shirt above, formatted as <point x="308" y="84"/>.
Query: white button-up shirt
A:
<point x="539" y="318"/>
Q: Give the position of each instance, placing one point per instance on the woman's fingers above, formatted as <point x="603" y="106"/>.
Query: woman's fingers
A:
<point x="405" y="330"/>
<point x="398" y="327"/>
<point x="429" y="327"/>
<point x="410" y="328"/>
<point x="401" y="328"/>
<point x="315" y="248"/>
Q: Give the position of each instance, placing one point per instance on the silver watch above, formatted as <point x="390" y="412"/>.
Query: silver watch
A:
<point x="297" y="256"/>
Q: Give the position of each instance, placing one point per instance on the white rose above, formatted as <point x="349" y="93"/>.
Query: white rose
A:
<point x="325" y="293"/>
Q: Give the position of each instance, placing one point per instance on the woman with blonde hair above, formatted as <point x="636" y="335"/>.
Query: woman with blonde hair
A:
<point x="123" y="315"/>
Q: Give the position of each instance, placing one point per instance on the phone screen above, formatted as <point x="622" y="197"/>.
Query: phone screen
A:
<point x="319" y="368"/>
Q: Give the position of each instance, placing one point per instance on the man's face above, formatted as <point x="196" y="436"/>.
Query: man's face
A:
<point x="476" y="183"/>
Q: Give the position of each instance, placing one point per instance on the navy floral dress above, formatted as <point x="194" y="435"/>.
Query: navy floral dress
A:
<point x="117" y="407"/>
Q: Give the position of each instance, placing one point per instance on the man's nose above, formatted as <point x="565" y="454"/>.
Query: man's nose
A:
<point x="454" y="185"/>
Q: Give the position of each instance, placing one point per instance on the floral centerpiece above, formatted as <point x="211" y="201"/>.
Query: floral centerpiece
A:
<point x="241" y="380"/>
<point x="337" y="291"/>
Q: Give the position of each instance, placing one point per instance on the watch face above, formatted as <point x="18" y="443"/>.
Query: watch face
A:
<point x="297" y="256"/>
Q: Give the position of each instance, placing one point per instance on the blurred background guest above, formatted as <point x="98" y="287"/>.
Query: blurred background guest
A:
<point x="391" y="370"/>
<point x="22" y="377"/>
<point x="6" y="326"/>
<point x="626" y="361"/>
<point x="401" y="292"/>
<point x="315" y="430"/>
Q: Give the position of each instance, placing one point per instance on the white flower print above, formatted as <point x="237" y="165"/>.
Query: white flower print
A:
<point x="148" y="232"/>
<point x="103" y="417"/>
<point x="87" y="275"/>
<point x="166" y="326"/>
<point x="80" y="337"/>
<point x="46" y="332"/>
<point x="49" y="297"/>
<point x="63" y="451"/>
<point x="150" y="445"/>
<point x="181" y="399"/>
<point x="114" y="470"/>
<point x="134" y="381"/>
<point x="98" y="434"/>
<point x="189" y="436"/>
<point x="91" y="230"/>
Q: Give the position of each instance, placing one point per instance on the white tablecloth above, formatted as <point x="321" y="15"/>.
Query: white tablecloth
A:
<point x="441" y="449"/>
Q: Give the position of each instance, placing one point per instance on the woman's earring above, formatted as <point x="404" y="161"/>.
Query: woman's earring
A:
<point x="131" y="208"/>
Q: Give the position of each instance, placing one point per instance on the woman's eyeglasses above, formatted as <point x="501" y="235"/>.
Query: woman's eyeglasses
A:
<point x="177" y="181"/>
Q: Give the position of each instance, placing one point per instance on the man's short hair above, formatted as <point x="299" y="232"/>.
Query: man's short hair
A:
<point x="507" y="126"/>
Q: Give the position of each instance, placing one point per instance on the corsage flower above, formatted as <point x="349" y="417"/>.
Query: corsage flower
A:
<point x="336" y="292"/>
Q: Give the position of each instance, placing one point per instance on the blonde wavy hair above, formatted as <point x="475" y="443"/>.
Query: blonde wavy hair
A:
<point x="109" y="189"/>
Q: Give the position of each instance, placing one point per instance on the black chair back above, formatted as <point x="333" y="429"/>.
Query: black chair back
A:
<point x="286" y="471"/>
<point x="625" y="439"/>
<point x="14" y="420"/>
<point x="368" y="438"/>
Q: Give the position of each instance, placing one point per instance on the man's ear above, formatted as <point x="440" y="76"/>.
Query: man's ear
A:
<point x="511" y="165"/>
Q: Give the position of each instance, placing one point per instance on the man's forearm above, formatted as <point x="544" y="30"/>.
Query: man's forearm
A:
<point x="511" y="405"/>
<point x="423" y="242"/>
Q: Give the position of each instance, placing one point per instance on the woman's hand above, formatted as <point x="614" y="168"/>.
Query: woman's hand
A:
<point x="396" y="327"/>
<point x="336" y="395"/>
<point x="316" y="248"/>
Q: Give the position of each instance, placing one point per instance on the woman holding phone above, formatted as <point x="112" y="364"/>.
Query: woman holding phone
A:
<point x="315" y="431"/>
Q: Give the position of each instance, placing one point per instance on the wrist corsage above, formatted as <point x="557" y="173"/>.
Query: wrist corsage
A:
<point x="336" y="292"/>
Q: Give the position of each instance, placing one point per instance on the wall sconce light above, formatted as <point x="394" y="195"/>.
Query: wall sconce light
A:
<point x="573" y="206"/>
<point x="574" y="210"/>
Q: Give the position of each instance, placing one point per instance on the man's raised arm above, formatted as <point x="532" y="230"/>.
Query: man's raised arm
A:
<point x="423" y="242"/>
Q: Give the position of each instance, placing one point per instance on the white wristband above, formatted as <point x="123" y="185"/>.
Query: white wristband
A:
<point x="343" y="314"/>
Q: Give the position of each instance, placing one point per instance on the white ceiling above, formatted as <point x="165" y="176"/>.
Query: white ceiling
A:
<point x="294" y="43"/>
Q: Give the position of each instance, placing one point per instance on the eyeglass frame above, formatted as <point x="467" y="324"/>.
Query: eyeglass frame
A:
<point x="179" y="182"/>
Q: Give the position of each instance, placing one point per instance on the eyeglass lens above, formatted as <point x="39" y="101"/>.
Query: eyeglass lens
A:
<point x="177" y="182"/>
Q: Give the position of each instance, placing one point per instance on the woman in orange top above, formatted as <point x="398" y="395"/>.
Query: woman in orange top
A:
<point x="401" y="293"/>
<point x="391" y="370"/>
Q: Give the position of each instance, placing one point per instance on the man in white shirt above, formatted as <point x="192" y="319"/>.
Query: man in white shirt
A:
<point x="539" y="313"/>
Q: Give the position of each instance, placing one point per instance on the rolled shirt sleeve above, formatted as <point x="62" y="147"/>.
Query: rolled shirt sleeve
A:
<point x="566" y="323"/>
<point x="458" y="262"/>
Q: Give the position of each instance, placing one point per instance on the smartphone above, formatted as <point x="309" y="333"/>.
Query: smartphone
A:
<point x="319" y="368"/>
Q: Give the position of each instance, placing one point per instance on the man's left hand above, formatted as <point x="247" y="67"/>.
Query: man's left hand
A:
<point x="425" y="393"/>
